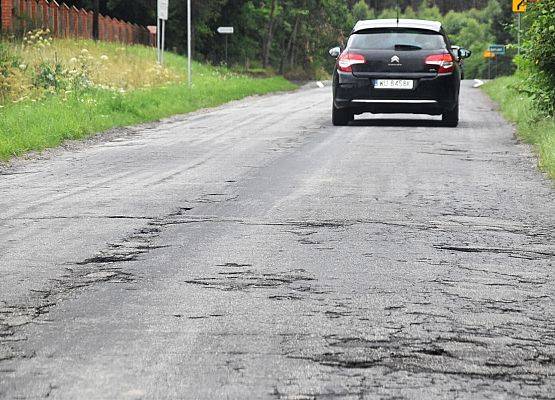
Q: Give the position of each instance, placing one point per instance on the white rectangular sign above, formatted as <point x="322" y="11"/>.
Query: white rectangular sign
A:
<point x="226" y="30"/>
<point x="163" y="9"/>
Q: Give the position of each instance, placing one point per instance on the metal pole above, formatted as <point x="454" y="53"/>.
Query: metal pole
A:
<point x="489" y="68"/>
<point x="518" y="33"/>
<point x="189" y="43"/>
<point x="158" y="29"/>
<point x="226" y="50"/>
<point x="163" y="45"/>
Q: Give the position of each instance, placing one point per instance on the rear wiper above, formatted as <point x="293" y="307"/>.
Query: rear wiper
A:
<point x="407" y="47"/>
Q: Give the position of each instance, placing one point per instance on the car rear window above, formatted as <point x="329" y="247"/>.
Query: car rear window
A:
<point x="397" y="39"/>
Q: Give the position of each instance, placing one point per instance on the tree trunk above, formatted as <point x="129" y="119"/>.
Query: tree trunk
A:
<point x="96" y="11"/>
<point x="283" y="56"/>
<point x="269" y="36"/>
<point x="292" y="41"/>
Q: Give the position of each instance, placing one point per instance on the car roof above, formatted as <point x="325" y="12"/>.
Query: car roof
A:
<point x="393" y="23"/>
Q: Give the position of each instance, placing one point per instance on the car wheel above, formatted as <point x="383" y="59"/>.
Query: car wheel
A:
<point x="341" y="117"/>
<point x="451" y="118"/>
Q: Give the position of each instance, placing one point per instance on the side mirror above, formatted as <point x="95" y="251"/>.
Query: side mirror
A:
<point x="335" y="52"/>
<point x="464" y="53"/>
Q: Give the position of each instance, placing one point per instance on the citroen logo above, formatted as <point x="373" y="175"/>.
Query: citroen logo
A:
<point x="395" y="59"/>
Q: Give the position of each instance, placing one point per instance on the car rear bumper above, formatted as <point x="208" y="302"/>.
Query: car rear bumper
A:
<point x="431" y="94"/>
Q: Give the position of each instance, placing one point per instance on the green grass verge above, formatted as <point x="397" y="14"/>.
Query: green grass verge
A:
<point x="517" y="107"/>
<point x="47" y="123"/>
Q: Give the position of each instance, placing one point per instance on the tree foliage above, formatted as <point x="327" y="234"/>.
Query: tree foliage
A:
<point x="538" y="61"/>
<point x="293" y="36"/>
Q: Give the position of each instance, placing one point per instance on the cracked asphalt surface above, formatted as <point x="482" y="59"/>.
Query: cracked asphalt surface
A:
<point x="256" y="251"/>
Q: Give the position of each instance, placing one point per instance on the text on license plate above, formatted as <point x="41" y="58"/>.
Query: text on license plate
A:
<point x="393" y="84"/>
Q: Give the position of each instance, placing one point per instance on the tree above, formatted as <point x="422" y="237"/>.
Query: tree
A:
<point x="361" y="11"/>
<point x="267" y="44"/>
<point x="293" y="36"/>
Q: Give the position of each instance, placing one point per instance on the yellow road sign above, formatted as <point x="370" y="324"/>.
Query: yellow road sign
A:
<point x="489" y="54"/>
<point x="519" y="6"/>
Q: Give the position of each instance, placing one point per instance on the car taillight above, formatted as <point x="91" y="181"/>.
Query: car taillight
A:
<point x="444" y="63"/>
<point x="347" y="59"/>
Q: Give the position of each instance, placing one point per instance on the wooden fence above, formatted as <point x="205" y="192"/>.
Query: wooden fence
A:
<point x="20" y="16"/>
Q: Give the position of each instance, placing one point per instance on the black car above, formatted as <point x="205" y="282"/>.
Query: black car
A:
<point x="397" y="66"/>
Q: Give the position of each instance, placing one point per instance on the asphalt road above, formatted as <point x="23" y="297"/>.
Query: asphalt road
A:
<point x="256" y="251"/>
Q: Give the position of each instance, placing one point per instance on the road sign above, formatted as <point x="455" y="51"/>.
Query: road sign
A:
<point x="519" y="6"/>
<point x="497" y="49"/>
<point x="489" y="54"/>
<point x="163" y="9"/>
<point x="226" y="30"/>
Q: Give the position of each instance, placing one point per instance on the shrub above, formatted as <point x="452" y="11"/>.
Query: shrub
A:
<point x="538" y="61"/>
<point x="49" y="76"/>
<point x="9" y="72"/>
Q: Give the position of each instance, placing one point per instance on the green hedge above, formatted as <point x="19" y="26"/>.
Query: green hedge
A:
<point x="538" y="60"/>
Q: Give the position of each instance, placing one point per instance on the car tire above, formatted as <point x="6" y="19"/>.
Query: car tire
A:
<point x="451" y="117"/>
<point x="341" y="117"/>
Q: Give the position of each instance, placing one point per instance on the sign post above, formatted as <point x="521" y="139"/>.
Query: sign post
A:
<point x="519" y="6"/>
<point x="226" y="30"/>
<point x="497" y="50"/>
<point x="162" y="12"/>
<point x="489" y="55"/>
<point x="189" y="70"/>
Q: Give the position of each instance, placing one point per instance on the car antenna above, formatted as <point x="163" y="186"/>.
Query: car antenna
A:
<point x="397" y="13"/>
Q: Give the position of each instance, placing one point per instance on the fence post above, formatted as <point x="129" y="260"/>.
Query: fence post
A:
<point x="43" y="6"/>
<point x="7" y="15"/>
<point x="75" y="25"/>
<point x="114" y="29"/>
<point x="114" y="25"/>
<point x="23" y="10"/>
<point x="54" y="9"/>
<point x="136" y="33"/>
<point x="33" y="14"/>
<point x="83" y="18"/>
<point x="32" y="9"/>
<point x="90" y="19"/>
<point x="110" y="29"/>
<point x="105" y="29"/>
<point x="65" y="20"/>
<point x="121" y="29"/>
<point x="100" y="26"/>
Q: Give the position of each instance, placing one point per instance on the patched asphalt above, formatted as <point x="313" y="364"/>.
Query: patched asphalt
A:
<point x="256" y="251"/>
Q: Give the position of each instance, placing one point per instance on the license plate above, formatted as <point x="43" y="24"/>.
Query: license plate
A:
<point x="393" y="84"/>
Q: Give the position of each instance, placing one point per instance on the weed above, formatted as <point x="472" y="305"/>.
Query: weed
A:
<point x="533" y="126"/>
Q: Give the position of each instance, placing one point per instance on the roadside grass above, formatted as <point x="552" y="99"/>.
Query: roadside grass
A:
<point x="108" y="64"/>
<point x="531" y="128"/>
<point x="124" y="86"/>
